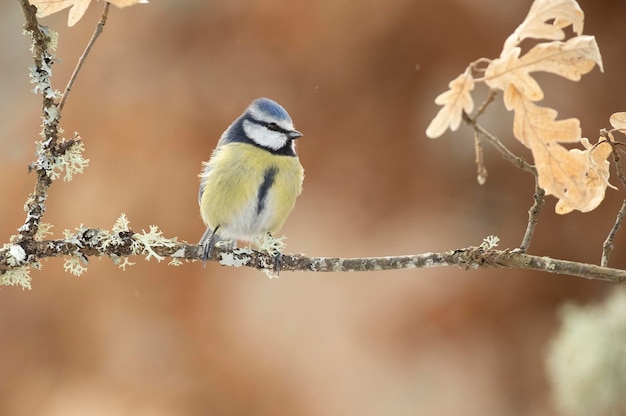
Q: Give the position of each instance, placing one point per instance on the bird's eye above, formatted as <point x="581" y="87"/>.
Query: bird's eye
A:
<point x="272" y="126"/>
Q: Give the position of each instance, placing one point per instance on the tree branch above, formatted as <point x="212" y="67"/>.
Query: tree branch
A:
<point x="607" y="246"/>
<point x="90" y="242"/>
<point x="83" y="57"/>
<point x="481" y="169"/>
<point x="40" y="75"/>
<point x="533" y="216"/>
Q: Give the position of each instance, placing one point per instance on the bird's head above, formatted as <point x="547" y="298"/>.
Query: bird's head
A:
<point x="267" y="124"/>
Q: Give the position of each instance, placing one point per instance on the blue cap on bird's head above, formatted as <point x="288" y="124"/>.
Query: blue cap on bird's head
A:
<point x="266" y="109"/>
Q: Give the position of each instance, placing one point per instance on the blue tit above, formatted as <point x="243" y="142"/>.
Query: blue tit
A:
<point x="251" y="182"/>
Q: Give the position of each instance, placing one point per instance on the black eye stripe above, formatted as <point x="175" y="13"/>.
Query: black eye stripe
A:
<point x="270" y="126"/>
<point x="273" y="127"/>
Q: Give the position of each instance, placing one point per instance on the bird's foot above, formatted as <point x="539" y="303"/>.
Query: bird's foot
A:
<point x="207" y="250"/>
<point x="274" y="247"/>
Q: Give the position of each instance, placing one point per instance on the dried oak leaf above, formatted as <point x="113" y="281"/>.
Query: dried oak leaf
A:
<point x="535" y="126"/>
<point x="561" y="173"/>
<point x="578" y="178"/>
<point x="594" y="180"/>
<point x="78" y="7"/>
<point x="48" y="7"/>
<point x="545" y="20"/>
<point x="455" y="101"/>
<point x="618" y="121"/>
<point x="570" y="59"/>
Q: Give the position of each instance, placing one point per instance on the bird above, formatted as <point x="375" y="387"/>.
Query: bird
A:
<point x="250" y="184"/>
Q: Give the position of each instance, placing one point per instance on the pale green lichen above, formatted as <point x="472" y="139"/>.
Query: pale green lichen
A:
<point x="75" y="237"/>
<point x="121" y="261"/>
<point x="175" y="262"/>
<point x="72" y="162"/>
<point x="144" y="241"/>
<point x="40" y="75"/>
<point x="73" y="266"/>
<point x="121" y="224"/>
<point x="490" y="242"/>
<point x="17" y="277"/>
<point x="113" y="239"/>
<point x="52" y="35"/>
<point x="43" y="231"/>
<point x="270" y="245"/>
<point x="587" y="359"/>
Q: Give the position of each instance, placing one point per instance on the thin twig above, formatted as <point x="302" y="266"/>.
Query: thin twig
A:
<point x="481" y="169"/>
<point x="607" y="246"/>
<point x="533" y="215"/>
<point x="608" y="136"/>
<point x="83" y="57"/>
<point x="518" y="161"/>
<point x="490" y="97"/>
<point x="481" y="173"/>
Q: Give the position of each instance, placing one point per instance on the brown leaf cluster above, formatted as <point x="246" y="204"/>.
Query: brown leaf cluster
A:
<point x="577" y="177"/>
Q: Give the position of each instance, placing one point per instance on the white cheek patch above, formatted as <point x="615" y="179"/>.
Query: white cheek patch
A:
<point x="263" y="136"/>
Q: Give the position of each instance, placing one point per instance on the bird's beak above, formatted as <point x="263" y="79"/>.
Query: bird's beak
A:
<point x="294" y="134"/>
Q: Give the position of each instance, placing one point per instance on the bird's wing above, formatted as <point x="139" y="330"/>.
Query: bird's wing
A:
<point x="205" y="172"/>
<point x="200" y="192"/>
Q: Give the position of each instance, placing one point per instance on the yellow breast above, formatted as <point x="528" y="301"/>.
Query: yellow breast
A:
<point x="232" y="180"/>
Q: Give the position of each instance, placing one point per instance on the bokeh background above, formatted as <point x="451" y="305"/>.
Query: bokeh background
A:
<point x="359" y="79"/>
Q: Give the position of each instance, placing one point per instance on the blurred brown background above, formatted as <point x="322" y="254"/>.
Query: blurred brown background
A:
<point x="359" y="79"/>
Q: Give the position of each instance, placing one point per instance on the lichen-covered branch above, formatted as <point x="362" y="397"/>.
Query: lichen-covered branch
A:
<point x="54" y="154"/>
<point x="40" y="73"/>
<point x="121" y="244"/>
